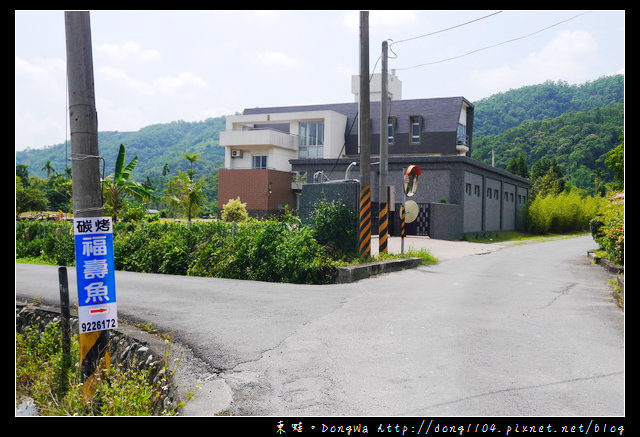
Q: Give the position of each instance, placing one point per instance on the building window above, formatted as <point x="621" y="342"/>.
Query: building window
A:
<point x="311" y="139"/>
<point x="461" y="137"/>
<point x="476" y="190"/>
<point x="391" y="130"/>
<point x="416" y="128"/>
<point x="467" y="189"/>
<point x="259" y="161"/>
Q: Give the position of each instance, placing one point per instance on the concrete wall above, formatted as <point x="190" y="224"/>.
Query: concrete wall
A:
<point x="347" y="192"/>
<point x="492" y="194"/>
<point x="446" y="221"/>
<point x="473" y="202"/>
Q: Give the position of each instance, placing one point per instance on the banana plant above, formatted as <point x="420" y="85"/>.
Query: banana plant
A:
<point x="118" y="185"/>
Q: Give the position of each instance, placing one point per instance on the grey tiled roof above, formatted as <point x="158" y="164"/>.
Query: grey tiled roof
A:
<point x="440" y="114"/>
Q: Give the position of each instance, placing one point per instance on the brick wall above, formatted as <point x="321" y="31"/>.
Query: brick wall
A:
<point x="263" y="190"/>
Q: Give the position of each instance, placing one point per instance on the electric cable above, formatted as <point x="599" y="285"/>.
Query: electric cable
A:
<point x="494" y="45"/>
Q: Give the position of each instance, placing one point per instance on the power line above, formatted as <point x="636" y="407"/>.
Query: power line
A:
<point x="493" y="45"/>
<point x="444" y="30"/>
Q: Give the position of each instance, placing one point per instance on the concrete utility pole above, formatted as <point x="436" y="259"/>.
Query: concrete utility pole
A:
<point x="364" y="140"/>
<point x="383" y="228"/>
<point x="85" y="159"/>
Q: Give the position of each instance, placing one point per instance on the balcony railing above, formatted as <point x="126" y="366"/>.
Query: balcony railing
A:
<point x="258" y="137"/>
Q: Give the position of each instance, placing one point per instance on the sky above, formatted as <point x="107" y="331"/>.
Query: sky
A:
<point x="161" y="66"/>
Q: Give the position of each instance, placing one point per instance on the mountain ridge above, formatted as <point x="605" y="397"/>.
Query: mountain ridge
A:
<point x="160" y="146"/>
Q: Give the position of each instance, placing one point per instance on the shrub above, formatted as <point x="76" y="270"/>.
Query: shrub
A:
<point x="234" y="211"/>
<point x="269" y="250"/>
<point x="156" y="247"/>
<point x="50" y="240"/>
<point x="607" y="230"/>
<point x="335" y="226"/>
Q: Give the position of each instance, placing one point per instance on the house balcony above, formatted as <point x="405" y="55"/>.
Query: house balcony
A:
<point x="258" y="137"/>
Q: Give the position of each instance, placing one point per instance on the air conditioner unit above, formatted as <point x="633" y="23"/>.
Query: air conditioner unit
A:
<point x="236" y="153"/>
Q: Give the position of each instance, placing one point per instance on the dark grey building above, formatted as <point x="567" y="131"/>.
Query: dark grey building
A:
<point x="456" y="194"/>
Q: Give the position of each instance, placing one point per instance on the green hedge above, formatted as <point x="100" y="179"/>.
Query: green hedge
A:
<point x="262" y="250"/>
<point x="50" y="240"/>
<point x="607" y="230"/>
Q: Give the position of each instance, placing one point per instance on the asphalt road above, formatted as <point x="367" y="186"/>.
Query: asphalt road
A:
<point x="524" y="330"/>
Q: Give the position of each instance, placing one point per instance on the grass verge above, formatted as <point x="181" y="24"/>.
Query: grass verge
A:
<point x="44" y="374"/>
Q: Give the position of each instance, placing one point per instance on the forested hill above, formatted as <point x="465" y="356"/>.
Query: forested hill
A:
<point x="156" y="146"/>
<point x="576" y="124"/>
<point x="501" y="112"/>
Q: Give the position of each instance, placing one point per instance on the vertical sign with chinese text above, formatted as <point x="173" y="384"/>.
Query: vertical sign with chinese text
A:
<point x="95" y="271"/>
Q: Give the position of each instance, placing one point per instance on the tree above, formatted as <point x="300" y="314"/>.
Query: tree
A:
<point x="615" y="162"/>
<point x="118" y="185"/>
<point x="29" y="196"/>
<point x="23" y="173"/>
<point x="598" y="182"/>
<point x="185" y="195"/>
<point x="518" y="166"/>
<point x="547" y="178"/>
<point x="58" y="191"/>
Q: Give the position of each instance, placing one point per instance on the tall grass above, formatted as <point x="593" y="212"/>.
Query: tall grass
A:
<point x="562" y="213"/>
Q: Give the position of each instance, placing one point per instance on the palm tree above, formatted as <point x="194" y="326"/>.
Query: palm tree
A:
<point x="118" y="185"/>
<point x="191" y="157"/>
<point x="185" y="195"/>
<point x="48" y="168"/>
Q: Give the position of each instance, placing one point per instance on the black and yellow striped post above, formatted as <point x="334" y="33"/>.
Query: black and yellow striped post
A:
<point x="383" y="227"/>
<point x="365" y="222"/>
<point x="94" y="357"/>
<point x="402" y="229"/>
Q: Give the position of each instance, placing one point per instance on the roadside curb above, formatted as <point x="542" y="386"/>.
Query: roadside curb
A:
<point x="362" y="271"/>
<point x="605" y="263"/>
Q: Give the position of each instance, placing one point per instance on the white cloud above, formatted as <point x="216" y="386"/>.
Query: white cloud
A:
<point x="566" y="57"/>
<point x="278" y="59"/>
<point x="185" y="84"/>
<point x="113" y="78"/>
<point x="39" y="83"/>
<point x="33" y="130"/>
<point x="127" y="52"/>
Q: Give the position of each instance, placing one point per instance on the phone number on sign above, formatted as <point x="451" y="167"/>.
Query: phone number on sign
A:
<point x="99" y="325"/>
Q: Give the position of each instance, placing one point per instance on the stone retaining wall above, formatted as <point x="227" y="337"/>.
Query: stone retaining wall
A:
<point x="128" y="347"/>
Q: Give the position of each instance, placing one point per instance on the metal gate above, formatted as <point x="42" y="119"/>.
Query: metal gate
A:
<point x="420" y="226"/>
